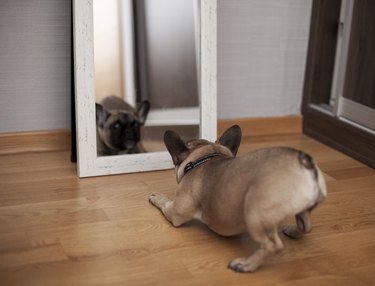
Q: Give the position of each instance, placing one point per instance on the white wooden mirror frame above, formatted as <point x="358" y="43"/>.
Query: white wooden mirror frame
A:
<point x="88" y="163"/>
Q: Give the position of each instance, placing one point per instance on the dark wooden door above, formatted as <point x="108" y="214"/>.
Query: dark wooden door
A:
<point x="319" y="119"/>
<point x="360" y="76"/>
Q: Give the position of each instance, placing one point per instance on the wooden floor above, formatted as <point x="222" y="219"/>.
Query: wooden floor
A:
<point x="57" y="229"/>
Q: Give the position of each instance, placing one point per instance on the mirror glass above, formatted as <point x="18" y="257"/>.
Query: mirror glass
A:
<point x="157" y="58"/>
<point x="146" y="63"/>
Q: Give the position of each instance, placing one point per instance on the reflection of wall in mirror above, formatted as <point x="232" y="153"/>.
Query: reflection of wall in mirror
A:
<point x="167" y="43"/>
<point x="155" y="42"/>
<point x="168" y="66"/>
<point x="108" y="69"/>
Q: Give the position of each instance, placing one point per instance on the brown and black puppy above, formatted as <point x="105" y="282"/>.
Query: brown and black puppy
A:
<point x="118" y="126"/>
<point x="233" y="195"/>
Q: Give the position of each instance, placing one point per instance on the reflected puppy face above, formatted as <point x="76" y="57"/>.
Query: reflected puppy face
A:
<point x="120" y="130"/>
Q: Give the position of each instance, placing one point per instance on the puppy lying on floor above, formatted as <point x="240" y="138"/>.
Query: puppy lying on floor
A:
<point x="253" y="193"/>
<point x="118" y="126"/>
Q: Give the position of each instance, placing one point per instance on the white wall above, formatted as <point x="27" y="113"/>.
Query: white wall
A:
<point x="35" y="65"/>
<point x="262" y="47"/>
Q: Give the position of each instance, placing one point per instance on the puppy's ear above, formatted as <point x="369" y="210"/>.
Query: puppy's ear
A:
<point x="231" y="138"/>
<point x="176" y="147"/>
<point x="101" y="115"/>
<point x="142" y="111"/>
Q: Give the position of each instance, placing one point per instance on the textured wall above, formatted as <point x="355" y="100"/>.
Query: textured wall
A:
<point x="35" y="65"/>
<point x="262" y="48"/>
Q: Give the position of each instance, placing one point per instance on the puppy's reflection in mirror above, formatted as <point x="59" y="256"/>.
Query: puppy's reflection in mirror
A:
<point x="118" y="126"/>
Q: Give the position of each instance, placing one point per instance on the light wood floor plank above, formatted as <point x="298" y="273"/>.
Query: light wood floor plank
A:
<point x="57" y="229"/>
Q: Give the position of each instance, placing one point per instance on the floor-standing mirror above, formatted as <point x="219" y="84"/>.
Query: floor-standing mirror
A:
<point x="142" y="67"/>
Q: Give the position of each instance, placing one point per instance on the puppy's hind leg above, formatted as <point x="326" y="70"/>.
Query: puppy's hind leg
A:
<point x="178" y="212"/>
<point x="269" y="243"/>
<point x="302" y="226"/>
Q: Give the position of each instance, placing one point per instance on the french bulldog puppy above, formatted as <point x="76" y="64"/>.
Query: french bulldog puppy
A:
<point x="118" y="126"/>
<point x="254" y="193"/>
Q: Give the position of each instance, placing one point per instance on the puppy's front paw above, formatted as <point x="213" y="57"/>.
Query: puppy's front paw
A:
<point x="158" y="200"/>
<point x="152" y="199"/>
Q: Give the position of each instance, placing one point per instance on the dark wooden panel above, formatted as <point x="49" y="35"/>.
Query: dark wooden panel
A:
<point x="360" y="76"/>
<point x="322" y="48"/>
<point x="341" y="136"/>
<point x="329" y="129"/>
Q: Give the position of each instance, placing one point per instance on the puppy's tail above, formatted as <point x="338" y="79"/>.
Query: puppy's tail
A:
<point x="307" y="161"/>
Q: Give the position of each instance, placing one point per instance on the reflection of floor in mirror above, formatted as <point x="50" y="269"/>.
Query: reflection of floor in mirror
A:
<point x="152" y="136"/>
<point x="153" y="145"/>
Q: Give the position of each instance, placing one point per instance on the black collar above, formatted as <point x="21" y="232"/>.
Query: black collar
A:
<point x="191" y="165"/>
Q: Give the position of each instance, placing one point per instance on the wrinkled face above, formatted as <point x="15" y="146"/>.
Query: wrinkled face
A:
<point x="121" y="131"/>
